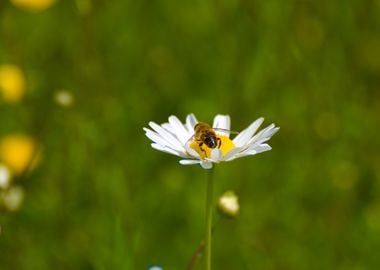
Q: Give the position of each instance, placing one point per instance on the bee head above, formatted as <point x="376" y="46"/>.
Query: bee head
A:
<point x="211" y="142"/>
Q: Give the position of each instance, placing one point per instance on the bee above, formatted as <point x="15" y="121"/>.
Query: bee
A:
<point x="205" y="134"/>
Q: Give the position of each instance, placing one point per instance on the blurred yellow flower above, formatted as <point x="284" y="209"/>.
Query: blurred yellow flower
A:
<point x="17" y="152"/>
<point x="34" y="5"/>
<point x="12" y="83"/>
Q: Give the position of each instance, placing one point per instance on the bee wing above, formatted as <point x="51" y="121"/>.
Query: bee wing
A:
<point x="225" y="131"/>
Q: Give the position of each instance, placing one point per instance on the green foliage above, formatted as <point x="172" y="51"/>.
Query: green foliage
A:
<point x="101" y="198"/>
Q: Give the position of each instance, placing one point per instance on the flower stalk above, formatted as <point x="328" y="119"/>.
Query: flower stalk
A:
<point x="209" y="210"/>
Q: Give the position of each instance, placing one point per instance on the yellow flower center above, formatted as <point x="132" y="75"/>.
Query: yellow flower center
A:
<point x="204" y="151"/>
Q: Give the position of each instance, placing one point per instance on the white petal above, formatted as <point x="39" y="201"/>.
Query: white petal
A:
<point x="172" y="140"/>
<point x="265" y="133"/>
<point x="271" y="131"/>
<point x="189" y="161"/>
<point x="216" y="155"/>
<point x="168" y="150"/>
<point x="222" y="122"/>
<point x="230" y="155"/>
<point x="206" y="164"/>
<point x="262" y="140"/>
<point x="255" y="150"/>
<point x="168" y="127"/>
<point x="179" y="130"/>
<point x="267" y="130"/>
<point x="245" y="135"/>
<point x="191" y="121"/>
<point x="264" y="148"/>
<point x="155" y="137"/>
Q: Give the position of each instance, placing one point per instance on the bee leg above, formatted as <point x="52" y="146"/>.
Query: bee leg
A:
<point x="219" y="142"/>
<point x="200" y="147"/>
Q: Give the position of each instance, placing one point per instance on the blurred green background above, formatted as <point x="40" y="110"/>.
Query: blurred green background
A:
<point x="101" y="198"/>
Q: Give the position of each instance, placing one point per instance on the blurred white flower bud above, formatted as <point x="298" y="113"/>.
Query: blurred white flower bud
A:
<point x="155" y="267"/>
<point x="64" y="98"/>
<point x="228" y="204"/>
<point x="12" y="198"/>
<point x="5" y="177"/>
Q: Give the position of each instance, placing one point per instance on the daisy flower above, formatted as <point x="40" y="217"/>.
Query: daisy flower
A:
<point x="177" y="138"/>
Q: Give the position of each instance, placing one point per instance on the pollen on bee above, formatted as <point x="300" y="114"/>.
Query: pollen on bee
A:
<point x="205" y="152"/>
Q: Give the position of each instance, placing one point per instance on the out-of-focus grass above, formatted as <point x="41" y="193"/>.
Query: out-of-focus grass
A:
<point x="101" y="198"/>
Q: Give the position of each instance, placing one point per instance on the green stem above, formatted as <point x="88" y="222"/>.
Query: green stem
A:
<point x="209" y="208"/>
